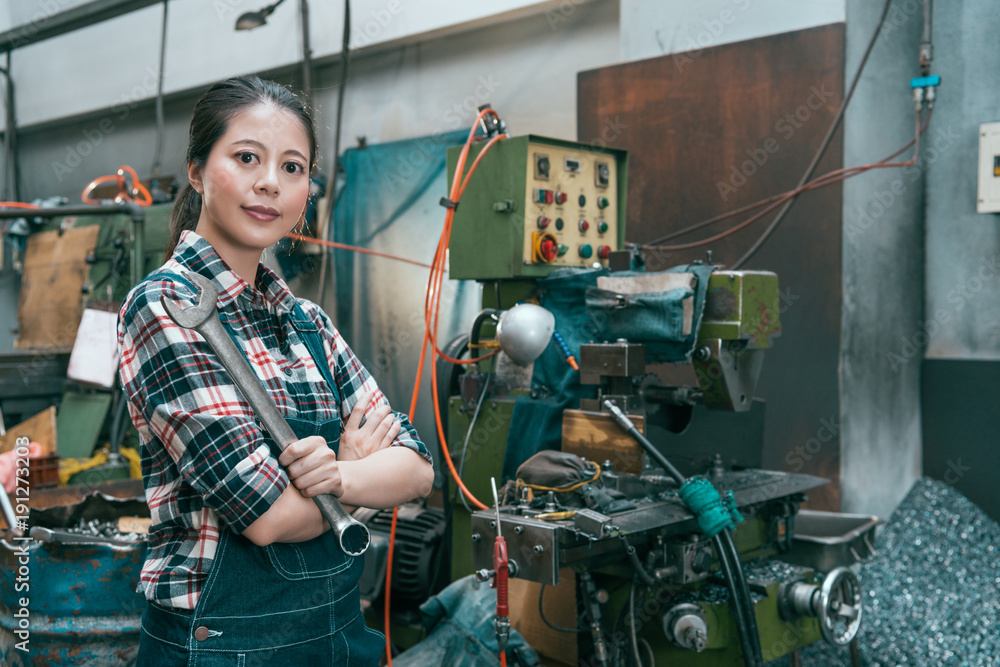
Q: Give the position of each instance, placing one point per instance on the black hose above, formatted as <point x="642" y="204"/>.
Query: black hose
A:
<point x="477" y="324"/>
<point x="823" y="144"/>
<point x="636" y="563"/>
<point x="739" y="612"/>
<point x="744" y="598"/>
<point x="541" y="614"/>
<point x="633" y="634"/>
<point x="729" y="559"/>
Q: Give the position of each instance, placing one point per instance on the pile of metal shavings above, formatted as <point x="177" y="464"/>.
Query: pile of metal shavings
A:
<point x="108" y="529"/>
<point x="932" y="595"/>
<point x="765" y="571"/>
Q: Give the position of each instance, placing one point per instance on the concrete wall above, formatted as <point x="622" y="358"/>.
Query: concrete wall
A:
<point x="963" y="247"/>
<point x="961" y="327"/>
<point x="99" y="66"/>
<point x="882" y="265"/>
<point x="673" y="26"/>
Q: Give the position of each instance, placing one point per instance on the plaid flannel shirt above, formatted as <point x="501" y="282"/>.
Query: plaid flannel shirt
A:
<point x="205" y="461"/>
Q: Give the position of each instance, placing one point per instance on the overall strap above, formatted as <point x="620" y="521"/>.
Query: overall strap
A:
<point x="313" y="339"/>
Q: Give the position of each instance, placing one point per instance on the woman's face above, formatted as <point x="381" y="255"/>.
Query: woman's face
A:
<point x="255" y="183"/>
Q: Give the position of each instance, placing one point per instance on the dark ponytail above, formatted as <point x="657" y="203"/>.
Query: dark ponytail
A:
<point x="210" y="120"/>
<point x="184" y="216"/>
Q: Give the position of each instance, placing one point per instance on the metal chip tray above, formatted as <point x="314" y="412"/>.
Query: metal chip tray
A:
<point x="827" y="540"/>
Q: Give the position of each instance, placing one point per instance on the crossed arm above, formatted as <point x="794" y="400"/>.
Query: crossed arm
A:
<point x="369" y="473"/>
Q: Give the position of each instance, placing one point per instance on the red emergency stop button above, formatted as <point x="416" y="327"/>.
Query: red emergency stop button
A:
<point x="548" y="249"/>
<point x="544" y="247"/>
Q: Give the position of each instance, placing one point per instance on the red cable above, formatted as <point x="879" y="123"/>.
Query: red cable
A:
<point x="388" y="583"/>
<point x="828" y="178"/>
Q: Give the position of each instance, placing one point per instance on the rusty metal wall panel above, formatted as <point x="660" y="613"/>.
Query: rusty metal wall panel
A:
<point x="710" y="131"/>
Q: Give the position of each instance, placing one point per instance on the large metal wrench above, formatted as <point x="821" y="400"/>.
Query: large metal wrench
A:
<point x="204" y="318"/>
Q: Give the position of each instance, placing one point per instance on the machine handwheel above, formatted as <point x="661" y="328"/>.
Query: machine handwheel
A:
<point x="839" y="606"/>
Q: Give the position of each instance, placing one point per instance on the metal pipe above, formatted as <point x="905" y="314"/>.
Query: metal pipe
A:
<point x="60" y="211"/>
<point x="627" y="424"/>
<point x="926" y="44"/>
<point x="8" y="511"/>
<point x="306" y="51"/>
<point x="74" y="18"/>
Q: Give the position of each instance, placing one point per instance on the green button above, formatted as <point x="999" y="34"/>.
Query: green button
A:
<point x="563" y="249"/>
<point x="602" y="227"/>
<point x="586" y="251"/>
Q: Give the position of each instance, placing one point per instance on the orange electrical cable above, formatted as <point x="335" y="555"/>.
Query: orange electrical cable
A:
<point x="344" y="246"/>
<point x="19" y="204"/>
<point x="388" y="583"/>
<point x="137" y="194"/>
<point x="432" y="309"/>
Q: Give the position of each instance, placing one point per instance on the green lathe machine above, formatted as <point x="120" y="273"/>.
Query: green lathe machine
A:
<point x="626" y="559"/>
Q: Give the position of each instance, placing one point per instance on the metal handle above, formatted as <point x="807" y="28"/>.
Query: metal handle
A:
<point x="8" y="511"/>
<point x="352" y="535"/>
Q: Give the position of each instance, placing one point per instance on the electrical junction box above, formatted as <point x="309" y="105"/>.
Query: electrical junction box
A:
<point x="989" y="168"/>
<point x="537" y="204"/>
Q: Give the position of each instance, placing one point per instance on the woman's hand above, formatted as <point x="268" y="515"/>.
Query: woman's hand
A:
<point x="312" y="467"/>
<point x="379" y="430"/>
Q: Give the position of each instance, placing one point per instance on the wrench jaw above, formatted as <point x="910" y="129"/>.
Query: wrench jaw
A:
<point x="201" y="311"/>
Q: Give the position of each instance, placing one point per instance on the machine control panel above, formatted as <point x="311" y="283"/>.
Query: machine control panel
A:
<point x="570" y="184"/>
<point x="537" y="204"/>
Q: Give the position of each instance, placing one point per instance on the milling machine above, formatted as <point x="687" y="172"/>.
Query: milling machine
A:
<point x="645" y="568"/>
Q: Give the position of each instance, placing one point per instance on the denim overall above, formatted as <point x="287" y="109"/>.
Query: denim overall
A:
<point x="283" y="604"/>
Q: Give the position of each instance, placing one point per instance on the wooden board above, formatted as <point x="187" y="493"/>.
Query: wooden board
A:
<point x="41" y="429"/>
<point x="596" y="437"/>
<point x="713" y="130"/>
<point x="51" y="303"/>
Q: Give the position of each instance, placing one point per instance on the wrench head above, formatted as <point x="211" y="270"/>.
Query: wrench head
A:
<point x="202" y="310"/>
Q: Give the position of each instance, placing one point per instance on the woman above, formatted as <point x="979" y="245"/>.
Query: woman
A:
<point x="241" y="567"/>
